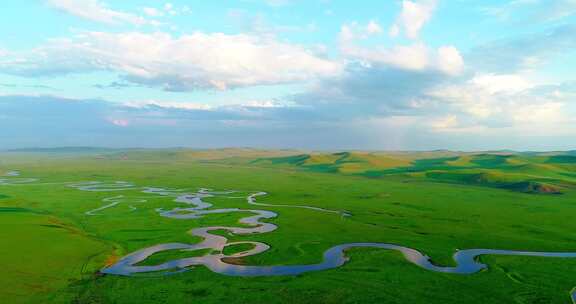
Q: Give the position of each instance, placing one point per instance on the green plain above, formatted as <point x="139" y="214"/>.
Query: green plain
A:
<point x="434" y="202"/>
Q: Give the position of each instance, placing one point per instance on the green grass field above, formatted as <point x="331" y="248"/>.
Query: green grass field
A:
<point x="436" y="202"/>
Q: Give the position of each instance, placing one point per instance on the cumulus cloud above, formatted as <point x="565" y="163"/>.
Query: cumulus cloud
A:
<point x="383" y="81"/>
<point x="503" y="101"/>
<point x="188" y="62"/>
<point x="412" y="57"/>
<point x="417" y="56"/>
<point x="449" y="60"/>
<point x="413" y="17"/>
<point x="97" y="11"/>
<point x="441" y="102"/>
<point x="370" y="90"/>
<point x="503" y="83"/>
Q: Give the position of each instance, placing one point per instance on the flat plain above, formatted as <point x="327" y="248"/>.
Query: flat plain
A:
<point x="53" y="246"/>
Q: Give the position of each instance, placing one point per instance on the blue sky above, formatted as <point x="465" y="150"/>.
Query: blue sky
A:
<point x="316" y="74"/>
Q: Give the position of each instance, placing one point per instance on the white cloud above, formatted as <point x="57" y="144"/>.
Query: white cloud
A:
<point x="346" y="34"/>
<point x="449" y="60"/>
<point x="413" y="17"/>
<point x="411" y="57"/>
<point x="170" y="9"/>
<point x="152" y="12"/>
<point x="394" y="31"/>
<point x="188" y="62"/>
<point x="373" y="28"/>
<point x="354" y="30"/>
<point x="446" y="122"/>
<point x="505" y="102"/>
<point x="416" y="57"/>
<point x="494" y="83"/>
<point x="542" y="114"/>
<point x="480" y="97"/>
<point x="96" y="11"/>
<point x="467" y="100"/>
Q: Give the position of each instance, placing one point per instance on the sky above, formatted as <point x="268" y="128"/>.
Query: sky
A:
<point x="303" y="74"/>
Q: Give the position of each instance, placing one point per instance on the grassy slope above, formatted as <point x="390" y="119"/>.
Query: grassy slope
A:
<point x="436" y="218"/>
<point x="41" y="255"/>
<point x="516" y="172"/>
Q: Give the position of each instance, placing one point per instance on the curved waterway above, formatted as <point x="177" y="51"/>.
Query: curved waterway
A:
<point x="13" y="178"/>
<point x="466" y="261"/>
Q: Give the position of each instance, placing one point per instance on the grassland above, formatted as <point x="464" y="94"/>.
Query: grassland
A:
<point x="436" y="202"/>
<point x="41" y="254"/>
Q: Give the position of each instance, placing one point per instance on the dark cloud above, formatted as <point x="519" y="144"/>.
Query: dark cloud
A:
<point x="55" y="121"/>
<point x="371" y="91"/>
<point x="28" y="121"/>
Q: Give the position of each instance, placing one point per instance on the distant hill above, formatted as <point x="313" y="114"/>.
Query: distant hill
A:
<point x="528" y="172"/>
<point x="64" y="150"/>
<point x="535" y="173"/>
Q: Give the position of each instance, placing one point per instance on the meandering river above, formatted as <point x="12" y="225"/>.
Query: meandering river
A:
<point x="194" y="206"/>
